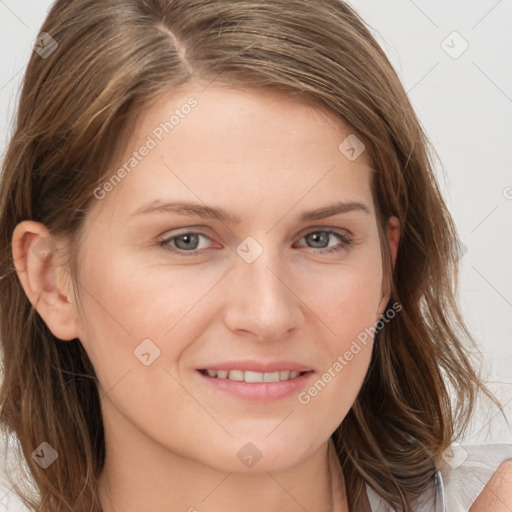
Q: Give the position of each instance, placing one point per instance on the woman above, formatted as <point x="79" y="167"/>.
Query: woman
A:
<point x="173" y="336"/>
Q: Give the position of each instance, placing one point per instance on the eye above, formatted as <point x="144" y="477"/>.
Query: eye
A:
<point x="187" y="243"/>
<point x="321" y="237"/>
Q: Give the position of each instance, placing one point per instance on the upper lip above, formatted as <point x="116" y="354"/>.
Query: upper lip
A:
<point x="259" y="366"/>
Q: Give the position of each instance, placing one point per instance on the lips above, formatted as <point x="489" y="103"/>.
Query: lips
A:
<point x="257" y="381"/>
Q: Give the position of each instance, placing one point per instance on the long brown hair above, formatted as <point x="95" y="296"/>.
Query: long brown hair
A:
<point x="115" y="57"/>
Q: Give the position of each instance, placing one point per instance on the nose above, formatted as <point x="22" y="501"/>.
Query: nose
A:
<point x="260" y="300"/>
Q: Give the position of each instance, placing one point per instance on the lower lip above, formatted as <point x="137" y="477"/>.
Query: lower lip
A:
<point x="259" y="391"/>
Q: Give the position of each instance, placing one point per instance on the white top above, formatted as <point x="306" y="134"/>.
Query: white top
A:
<point x="459" y="481"/>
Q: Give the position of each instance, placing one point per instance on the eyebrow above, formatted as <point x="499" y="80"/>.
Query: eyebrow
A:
<point x="211" y="212"/>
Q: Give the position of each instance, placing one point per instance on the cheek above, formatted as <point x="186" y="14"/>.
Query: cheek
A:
<point x="126" y="303"/>
<point x="346" y="303"/>
<point x="328" y="399"/>
<point x="348" y="310"/>
<point x="129" y="302"/>
<point x="345" y="297"/>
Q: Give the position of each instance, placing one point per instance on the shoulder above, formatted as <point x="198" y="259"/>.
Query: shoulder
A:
<point x="497" y="494"/>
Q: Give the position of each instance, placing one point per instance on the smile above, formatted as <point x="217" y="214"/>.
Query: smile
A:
<point x="262" y="387"/>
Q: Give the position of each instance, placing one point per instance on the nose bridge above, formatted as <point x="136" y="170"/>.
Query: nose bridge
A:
<point x="262" y="301"/>
<point x="266" y="276"/>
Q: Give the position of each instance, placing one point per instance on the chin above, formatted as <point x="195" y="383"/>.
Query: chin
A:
<point x="261" y="455"/>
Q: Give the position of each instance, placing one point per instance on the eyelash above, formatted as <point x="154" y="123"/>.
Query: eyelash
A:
<point x="346" y="240"/>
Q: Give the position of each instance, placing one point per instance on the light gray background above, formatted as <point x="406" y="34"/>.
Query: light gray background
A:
<point x="465" y="106"/>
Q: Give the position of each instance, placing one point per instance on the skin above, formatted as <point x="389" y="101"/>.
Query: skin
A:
<point x="497" y="494"/>
<point x="172" y="440"/>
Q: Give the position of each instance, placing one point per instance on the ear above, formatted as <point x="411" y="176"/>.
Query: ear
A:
<point x="46" y="283"/>
<point x="393" y="236"/>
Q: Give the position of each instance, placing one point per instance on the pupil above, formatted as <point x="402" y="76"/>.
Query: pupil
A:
<point x="320" y="236"/>
<point x="188" y="237"/>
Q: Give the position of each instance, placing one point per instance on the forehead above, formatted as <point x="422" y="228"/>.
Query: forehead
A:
<point x="248" y="147"/>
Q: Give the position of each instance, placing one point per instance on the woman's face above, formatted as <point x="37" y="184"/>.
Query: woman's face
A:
<point x="245" y="278"/>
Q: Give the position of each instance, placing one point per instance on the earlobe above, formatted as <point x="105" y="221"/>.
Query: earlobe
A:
<point x="393" y="234"/>
<point x="46" y="283"/>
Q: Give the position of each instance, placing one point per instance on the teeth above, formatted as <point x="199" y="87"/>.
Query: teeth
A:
<point x="271" y="377"/>
<point x="236" y="375"/>
<point x="252" y="377"/>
